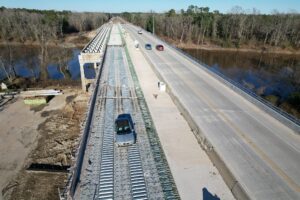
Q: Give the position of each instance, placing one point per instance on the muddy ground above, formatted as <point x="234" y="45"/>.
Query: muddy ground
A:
<point x="58" y="131"/>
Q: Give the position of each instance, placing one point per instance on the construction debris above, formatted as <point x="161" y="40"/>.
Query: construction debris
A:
<point x="3" y="86"/>
<point x="35" y="100"/>
<point x="35" y="93"/>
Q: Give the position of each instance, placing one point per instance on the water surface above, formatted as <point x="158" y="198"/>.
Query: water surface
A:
<point x="26" y="61"/>
<point x="275" y="77"/>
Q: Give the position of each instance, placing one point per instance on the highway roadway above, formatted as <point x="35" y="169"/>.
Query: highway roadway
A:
<point x="262" y="153"/>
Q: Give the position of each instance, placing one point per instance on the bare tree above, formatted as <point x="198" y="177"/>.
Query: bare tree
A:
<point x="8" y="75"/>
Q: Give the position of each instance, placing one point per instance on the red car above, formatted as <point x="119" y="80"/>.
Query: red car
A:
<point x="159" y="47"/>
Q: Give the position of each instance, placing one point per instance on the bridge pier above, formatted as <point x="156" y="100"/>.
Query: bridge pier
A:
<point x="96" y="64"/>
<point x="93" y="53"/>
<point x="82" y="75"/>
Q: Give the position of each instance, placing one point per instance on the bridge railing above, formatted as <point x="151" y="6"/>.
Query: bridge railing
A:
<point x="263" y="104"/>
<point x="76" y="169"/>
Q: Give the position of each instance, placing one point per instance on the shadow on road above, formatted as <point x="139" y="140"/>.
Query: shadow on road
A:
<point x="208" y="196"/>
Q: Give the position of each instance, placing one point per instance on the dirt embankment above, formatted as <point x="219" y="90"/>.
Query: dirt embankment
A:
<point x="71" y="40"/>
<point x="55" y="144"/>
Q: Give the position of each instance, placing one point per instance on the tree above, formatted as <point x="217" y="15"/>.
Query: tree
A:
<point x="8" y="75"/>
<point x="149" y="24"/>
<point x="171" y="13"/>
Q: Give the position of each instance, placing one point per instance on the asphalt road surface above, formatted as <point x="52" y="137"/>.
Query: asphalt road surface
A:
<point x="262" y="153"/>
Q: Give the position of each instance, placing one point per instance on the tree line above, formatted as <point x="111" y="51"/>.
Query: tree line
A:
<point x="43" y="25"/>
<point x="199" y="25"/>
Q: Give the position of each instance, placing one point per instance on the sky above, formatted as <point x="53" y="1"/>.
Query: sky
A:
<point x="116" y="6"/>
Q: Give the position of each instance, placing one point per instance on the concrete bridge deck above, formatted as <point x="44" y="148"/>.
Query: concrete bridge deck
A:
<point x="103" y="170"/>
<point x="195" y="175"/>
<point x="261" y="153"/>
<point x="257" y="155"/>
<point x="93" y="54"/>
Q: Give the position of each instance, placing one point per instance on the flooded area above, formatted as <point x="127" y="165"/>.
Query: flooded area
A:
<point x="275" y="77"/>
<point x="56" y="65"/>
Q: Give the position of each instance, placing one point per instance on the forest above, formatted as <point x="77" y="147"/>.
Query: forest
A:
<point x="195" y="25"/>
<point x="41" y="27"/>
<point x="23" y="25"/>
<point x="199" y="25"/>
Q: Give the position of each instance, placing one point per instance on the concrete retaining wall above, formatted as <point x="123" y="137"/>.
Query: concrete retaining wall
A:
<point x="76" y="170"/>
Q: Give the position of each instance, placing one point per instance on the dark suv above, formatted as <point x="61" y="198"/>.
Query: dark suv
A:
<point x="148" y="46"/>
<point x="124" y="129"/>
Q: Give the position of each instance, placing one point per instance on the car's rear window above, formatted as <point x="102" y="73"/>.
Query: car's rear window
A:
<point x="122" y="127"/>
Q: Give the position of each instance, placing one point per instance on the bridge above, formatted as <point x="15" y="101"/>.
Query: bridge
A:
<point x="254" y="146"/>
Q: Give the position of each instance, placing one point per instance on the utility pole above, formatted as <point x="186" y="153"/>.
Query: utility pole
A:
<point x="153" y="32"/>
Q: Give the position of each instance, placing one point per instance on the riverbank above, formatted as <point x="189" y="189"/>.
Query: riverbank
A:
<point x="21" y="83"/>
<point x="68" y="41"/>
<point x="44" y="135"/>
<point x="243" y="48"/>
<point x="80" y="39"/>
<point x="26" y="65"/>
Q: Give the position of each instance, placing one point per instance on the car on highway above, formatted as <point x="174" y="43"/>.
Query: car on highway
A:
<point x="140" y="31"/>
<point x="159" y="47"/>
<point x="124" y="130"/>
<point x="148" y="46"/>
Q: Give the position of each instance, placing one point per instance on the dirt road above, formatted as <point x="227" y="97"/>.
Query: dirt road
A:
<point x="44" y="135"/>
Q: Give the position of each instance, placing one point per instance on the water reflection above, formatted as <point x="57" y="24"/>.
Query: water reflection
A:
<point x="89" y="71"/>
<point x="265" y="74"/>
<point x="54" y="72"/>
<point x="24" y="61"/>
<point x="273" y="76"/>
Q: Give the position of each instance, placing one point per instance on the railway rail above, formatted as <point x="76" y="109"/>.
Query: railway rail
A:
<point x="108" y="171"/>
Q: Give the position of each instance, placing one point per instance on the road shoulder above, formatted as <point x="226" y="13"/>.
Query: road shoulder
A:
<point x="193" y="172"/>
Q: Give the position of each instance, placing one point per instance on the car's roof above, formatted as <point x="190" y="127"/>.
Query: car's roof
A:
<point x="124" y="116"/>
<point x="122" y="122"/>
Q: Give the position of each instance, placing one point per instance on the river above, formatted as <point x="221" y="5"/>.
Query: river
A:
<point x="275" y="77"/>
<point x="58" y="65"/>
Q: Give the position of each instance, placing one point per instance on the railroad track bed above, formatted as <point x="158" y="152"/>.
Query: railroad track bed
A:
<point x="111" y="172"/>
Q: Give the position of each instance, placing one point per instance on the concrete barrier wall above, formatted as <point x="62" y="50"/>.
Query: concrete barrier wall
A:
<point x="85" y="135"/>
<point x="76" y="170"/>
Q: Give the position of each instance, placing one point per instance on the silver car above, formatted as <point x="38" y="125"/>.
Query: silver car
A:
<point x="124" y="129"/>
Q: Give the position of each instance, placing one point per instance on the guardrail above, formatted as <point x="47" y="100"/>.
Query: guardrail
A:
<point x="98" y="32"/>
<point x="263" y="104"/>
